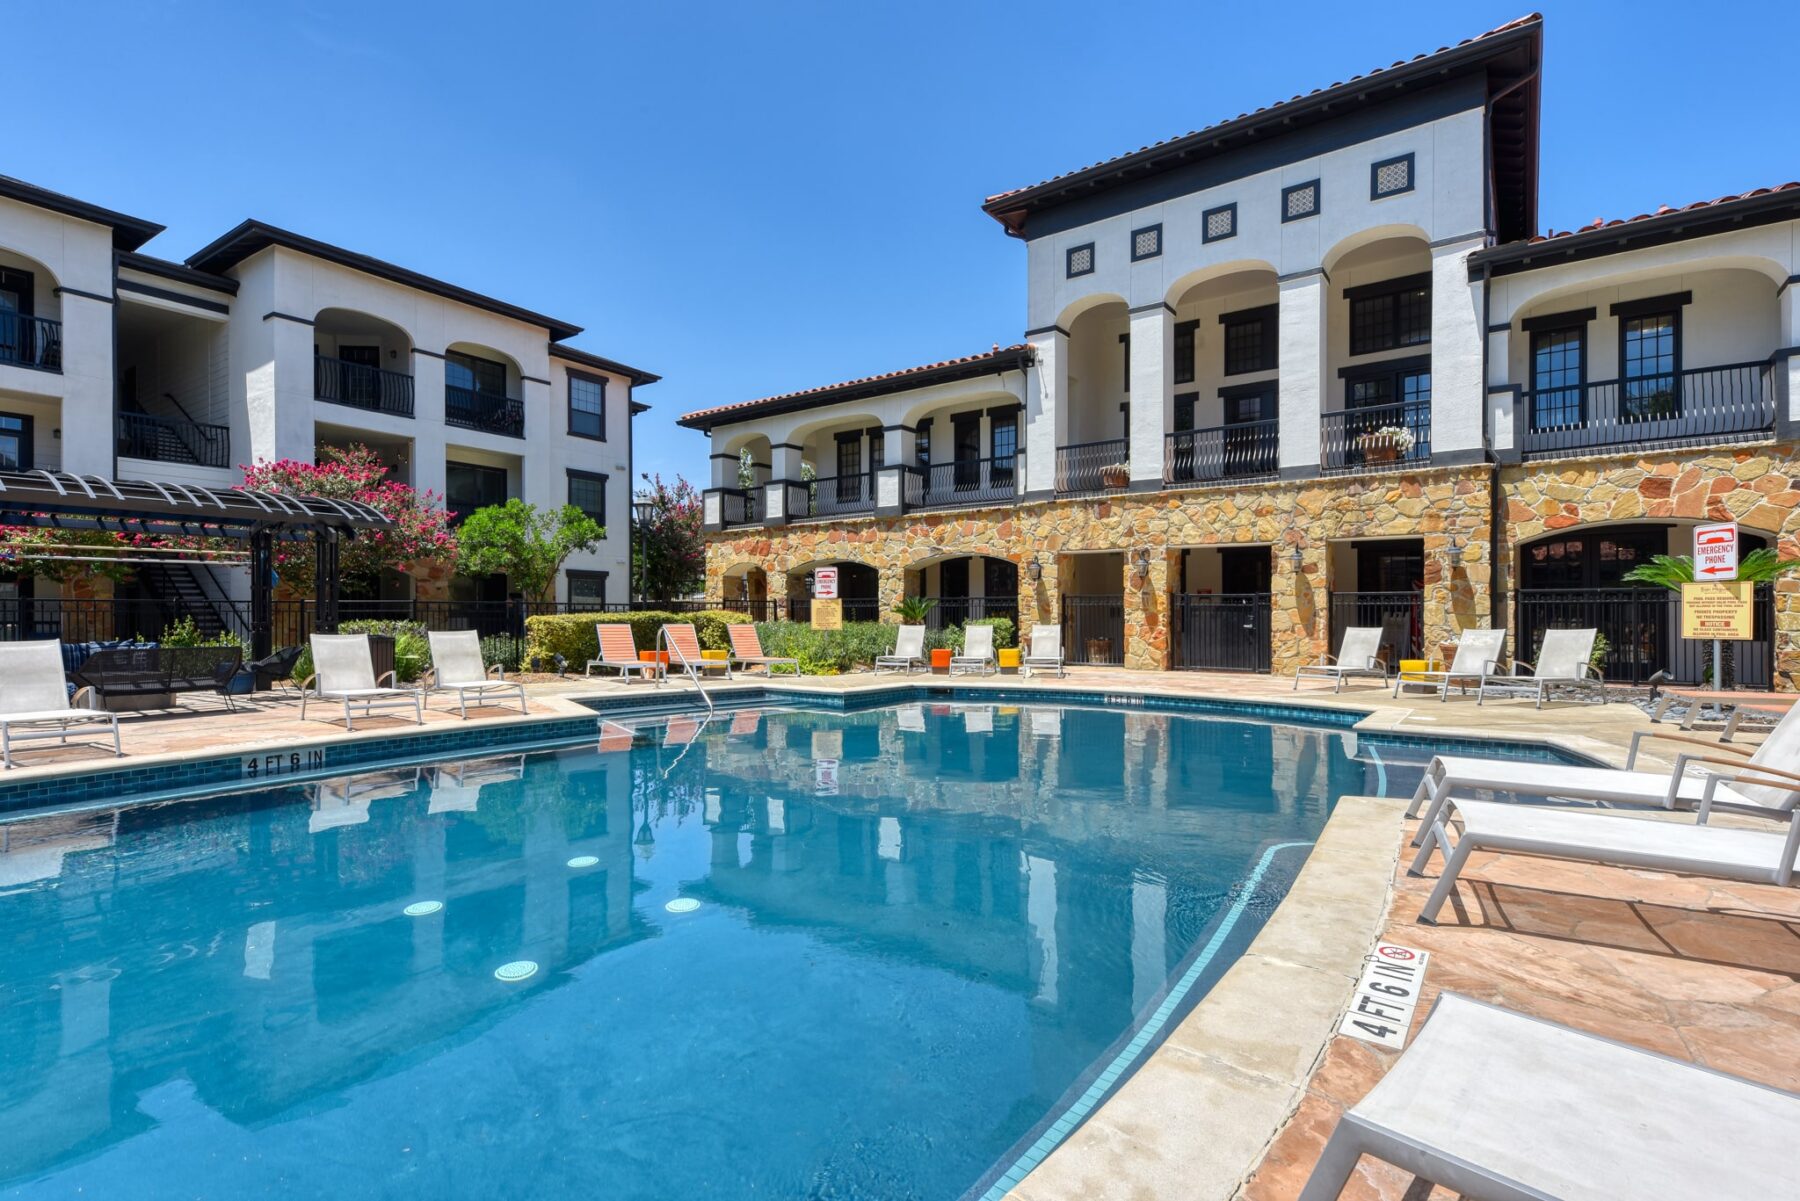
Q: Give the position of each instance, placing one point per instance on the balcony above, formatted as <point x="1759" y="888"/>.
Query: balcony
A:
<point x="27" y="341"/>
<point x="963" y="483"/>
<point x="1246" y="451"/>
<point x="1093" y="467"/>
<point x="1375" y="438"/>
<point x="362" y="387"/>
<point x="738" y="506"/>
<point x="484" y="411"/>
<point x="1704" y="405"/>
<point x="172" y="440"/>
<point x="832" y="496"/>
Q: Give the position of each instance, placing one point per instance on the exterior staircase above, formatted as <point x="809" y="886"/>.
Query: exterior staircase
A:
<point x="177" y="588"/>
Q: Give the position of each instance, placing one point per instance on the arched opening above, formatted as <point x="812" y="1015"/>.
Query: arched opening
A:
<point x="1224" y="385"/>
<point x="840" y="460"/>
<point x="859" y="587"/>
<point x="745" y="588"/>
<point x="1575" y="578"/>
<point x="482" y="390"/>
<point x="742" y="477"/>
<point x="362" y="361"/>
<point x="1377" y="388"/>
<point x="30" y="313"/>
<point x="1092" y="445"/>
<point x="965" y="451"/>
<point x="1090" y="601"/>
<point x="965" y="588"/>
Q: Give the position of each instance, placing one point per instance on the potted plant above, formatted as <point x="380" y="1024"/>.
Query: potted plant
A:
<point x="1116" y="475"/>
<point x="1385" y="445"/>
<point x="914" y="610"/>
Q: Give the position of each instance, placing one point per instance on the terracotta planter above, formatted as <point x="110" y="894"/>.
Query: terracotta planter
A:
<point x="1379" y="451"/>
<point x="1115" y="477"/>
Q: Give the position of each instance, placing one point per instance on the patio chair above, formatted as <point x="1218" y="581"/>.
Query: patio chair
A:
<point x="344" y="671"/>
<point x="1495" y="1104"/>
<point x="35" y="700"/>
<point x="618" y="650"/>
<point x="1359" y="655"/>
<point x="1763" y="780"/>
<point x="1615" y="839"/>
<point x="456" y="666"/>
<point x="909" y="651"/>
<point x="1477" y="657"/>
<point x="1044" y="651"/>
<point x="1564" y="661"/>
<point x="977" y="653"/>
<point x="684" y="653"/>
<point x="747" y="651"/>
<point x="1732" y="707"/>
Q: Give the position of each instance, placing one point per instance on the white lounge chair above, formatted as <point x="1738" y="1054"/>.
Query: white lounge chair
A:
<point x="1563" y="661"/>
<point x="1359" y="655"/>
<point x="977" y="653"/>
<point x="1758" y="856"/>
<point x="456" y="666"/>
<point x="909" y="651"/>
<point x="618" y="651"/>
<point x="747" y="651"/>
<point x="1477" y="657"/>
<point x="35" y="701"/>
<point x="344" y="671"/>
<point x="1762" y="780"/>
<point x="1494" y="1104"/>
<point x="1044" y="651"/>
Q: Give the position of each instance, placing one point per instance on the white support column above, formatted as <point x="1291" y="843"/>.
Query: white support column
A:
<point x="1458" y="392"/>
<point x="1789" y="339"/>
<point x="1499" y="394"/>
<point x="1302" y="360"/>
<point x="785" y="466"/>
<point x="545" y="489"/>
<point x="1045" y="418"/>
<point x="897" y="448"/>
<point x="431" y="435"/>
<point x="1152" y="404"/>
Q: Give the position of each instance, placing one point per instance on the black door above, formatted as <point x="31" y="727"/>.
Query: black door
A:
<point x="16" y="303"/>
<point x="361" y="383"/>
<point x="1227" y="630"/>
<point x="966" y="442"/>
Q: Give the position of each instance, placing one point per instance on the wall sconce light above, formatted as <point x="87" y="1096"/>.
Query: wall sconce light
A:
<point x="1296" y="558"/>
<point x="1034" y="571"/>
<point x="1140" y="565"/>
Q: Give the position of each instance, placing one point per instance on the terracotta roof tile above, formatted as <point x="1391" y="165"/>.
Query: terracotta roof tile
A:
<point x="996" y="352"/>
<point x="1662" y="211"/>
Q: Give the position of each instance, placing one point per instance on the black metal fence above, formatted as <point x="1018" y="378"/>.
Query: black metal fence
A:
<point x="1399" y="616"/>
<point x="30" y="341"/>
<point x="363" y="387"/>
<point x="738" y="506"/>
<point x="1093" y="630"/>
<point x="1706" y="404"/>
<point x="1375" y="438"/>
<point x="964" y="482"/>
<point x="474" y="410"/>
<point x="832" y="496"/>
<point x="1229" y="452"/>
<point x="1221" y="631"/>
<point x="959" y="610"/>
<point x="1093" y="466"/>
<point x="1642" y="628"/>
<point x="172" y="440"/>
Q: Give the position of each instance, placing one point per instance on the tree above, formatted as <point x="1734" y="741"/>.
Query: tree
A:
<point x="525" y="545"/>
<point x="668" y="555"/>
<point x="1672" y="571"/>
<point x="421" y="525"/>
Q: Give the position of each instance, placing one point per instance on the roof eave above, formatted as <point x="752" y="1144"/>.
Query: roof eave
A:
<point x="1513" y="257"/>
<point x="128" y="233"/>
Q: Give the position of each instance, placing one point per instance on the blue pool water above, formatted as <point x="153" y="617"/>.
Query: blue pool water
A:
<point x="911" y="937"/>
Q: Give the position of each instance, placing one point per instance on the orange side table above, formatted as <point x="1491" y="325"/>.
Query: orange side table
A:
<point x="659" y="658"/>
<point x="940" y="659"/>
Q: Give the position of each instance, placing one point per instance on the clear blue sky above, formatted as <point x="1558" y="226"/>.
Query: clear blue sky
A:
<point x="753" y="198"/>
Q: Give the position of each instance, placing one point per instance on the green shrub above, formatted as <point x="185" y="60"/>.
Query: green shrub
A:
<point x="827" y="652"/>
<point x="185" y="633"/>
<point x="951" y="637"/>
<point x="571" y="635"/>
<point x="502" y="649"/>
<point x="412" y="653"/>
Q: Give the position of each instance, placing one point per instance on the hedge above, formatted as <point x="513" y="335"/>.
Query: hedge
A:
<point x="572" y="636"/>
<point x="830" y="652"/>
<point x="412" y="651"/>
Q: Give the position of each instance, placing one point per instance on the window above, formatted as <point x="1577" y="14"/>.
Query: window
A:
<point x="1396" y="393"/>
<point x="587" y="492"/>
<point x="1648" y="366"/>
<point x="1300" y="201"/>
<point x="1250" y="340"/>
<point x="587" y="406"/>
<point x="1390" y="314"/>
<point x="1146" y="243"/>
<point x="587" y="589"/>
<point x="15" y="442"/>
<point x="1081" y="260"/>
<point x="471" y="486"/>
<point x="1390" y="177"/>
<point x="1004" y="437"/>
<point x="1557" y="374"/>
<point x="849" y="456"/>
<point x="922" y="444"/>
<point x="1218" y="223"/>
<point x="1185" y="404"/>
<point x="474" y="374"/>
<point x="1185" y="332"/>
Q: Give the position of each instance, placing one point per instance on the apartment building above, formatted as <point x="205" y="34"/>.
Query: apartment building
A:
<point x="265" y="344"/>
<point x="1311" y="367"/>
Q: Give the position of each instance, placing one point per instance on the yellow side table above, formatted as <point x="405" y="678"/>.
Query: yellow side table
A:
<point x="1412" y="671"/>
<point x="711" y="654"/>
<point x="1008" y="658"/>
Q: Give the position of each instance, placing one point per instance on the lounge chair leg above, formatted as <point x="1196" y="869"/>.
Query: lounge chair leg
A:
<point x="1434" y="813"/>
<point x="1428" y="840"/>
<point x="1335" y="1163"/>
<point x="1453" y="865"/>
<point x="1427" y="787"/>
<point x="118" y="750"/>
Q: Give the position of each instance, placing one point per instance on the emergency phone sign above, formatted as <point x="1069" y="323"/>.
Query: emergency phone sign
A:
<point x="825" y="583"/>
<point x="1716" y="551"/>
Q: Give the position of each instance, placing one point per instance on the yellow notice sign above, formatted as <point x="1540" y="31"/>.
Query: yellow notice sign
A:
<point x="828" y="614"/>
<point x="1718" y="610"/>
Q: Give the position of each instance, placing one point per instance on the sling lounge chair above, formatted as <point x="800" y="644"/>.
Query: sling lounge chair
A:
<point x="978" y="651"/>
<point x="1477" y="657"/>
<point x="747" y="651"/>
<point x="618" y="651"/>
<point x="684" y="654"/>
<point x="344" y="671"/>
<point x="456" y="666"/>
<point x="1358" y="656"/>
<point x="1563" y="662"/>
<point x="1044" y="651"/>
<point x="35" y="701"/>
<point x="909" y="651"/>
<point x="1494" y="1104"/>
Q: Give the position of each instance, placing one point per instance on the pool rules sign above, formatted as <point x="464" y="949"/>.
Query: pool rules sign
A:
<point x="1717" y="604"/>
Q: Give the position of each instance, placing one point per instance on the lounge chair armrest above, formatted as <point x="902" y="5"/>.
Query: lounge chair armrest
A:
<point x="1708" y="795"/>
<point x="387" y="679"/>
<point x="1518" y="663"/>
<point x="87" y="690"/>
<point x="308" y="683"/>
<point x="1738" y="769"/>
<point x="428" y="680"/>
<point x="496" y="671"/>
<point x="1640" y="736"/>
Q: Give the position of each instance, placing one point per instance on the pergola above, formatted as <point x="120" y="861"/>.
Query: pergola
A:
<point x="60" y="500"/>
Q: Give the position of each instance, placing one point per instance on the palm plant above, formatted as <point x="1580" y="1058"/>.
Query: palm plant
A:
<point x="1672" y="571"/>
<point x="914" y="610"/>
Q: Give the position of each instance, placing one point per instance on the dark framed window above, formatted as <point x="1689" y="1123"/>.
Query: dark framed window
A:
<point x="922" y="444"/>
<point x="1390" y="314"/>
<point x="1558" y="373"/>
<point x="587" y="406"/>
<point x="15" y="442"/>
<point x="1003" y="440"/>
<point x="1080" y="260"/>
<point x="587" y="492"/>
<point x="1185" y="334"/>
<point x="1185" y="404"/>
<point x="877" y="449"/>
<point x="1217" y="224"/>
<point x="474" y="374"/>
<point x="1250" y="340"/>
<point x="1391" y="176"/>
<point x="1248" y="403"/>
<point x="471" y="486"/>
<point x="849" y="456"/>
<point x="1650" y="366"/>
<point x="1396" y="393"/>
<point x="587" y="589"/>
<point x="1146" y="243"/>
<point x="1300" y="201"/>
<point x="1125" y="357"/>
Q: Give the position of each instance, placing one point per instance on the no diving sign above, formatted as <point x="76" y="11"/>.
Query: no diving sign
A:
<point x="1386" y="995"/>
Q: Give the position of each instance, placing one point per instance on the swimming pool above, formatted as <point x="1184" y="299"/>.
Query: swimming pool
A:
<point x="779" y="953"/>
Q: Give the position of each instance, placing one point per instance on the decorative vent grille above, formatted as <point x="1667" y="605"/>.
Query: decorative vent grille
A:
<point x="1220" y="223"/>
<point x="1146" y="243"/>
<point x="1300" y="201"/>
<point x="1392" y="176"/>
<point x="1081" y="259"/>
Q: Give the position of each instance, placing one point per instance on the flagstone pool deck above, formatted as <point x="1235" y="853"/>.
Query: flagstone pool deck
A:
<point x="1239" y="1099"/>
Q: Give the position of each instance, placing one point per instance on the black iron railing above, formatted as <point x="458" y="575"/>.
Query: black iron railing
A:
<point x="1706" y="404"/>
<point x="1399" y="616"/>
<point x="1093" y="466"/>
<point x="1375" y="438"/>
<point x="1642" y="628"/>
<point x="1093" y="629"/>
<point x="1246" y="451"/>
<point x="30" y="341"/>
<point x="738" y="506"/>
<point x="833" y="496"/>
<point x="964" y="482"/>
<point x="469" y="409"/>
<point x="172" y="440"/>
<point x="1221" y="631"/>
<point x="959" y="610"/>
<point x="363" y="387"/>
